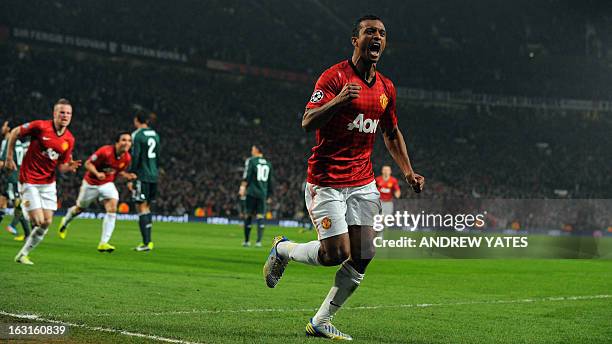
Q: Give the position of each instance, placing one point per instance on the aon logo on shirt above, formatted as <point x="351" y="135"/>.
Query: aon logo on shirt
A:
<point x="51" y="154"/>
<point x="364" y="126"/>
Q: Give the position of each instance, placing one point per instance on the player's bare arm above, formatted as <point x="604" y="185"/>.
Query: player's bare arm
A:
<point x="317" y="117"/>
<point x="71" y="166"/>
<point x="394" y="140"/>
<point x="127" y="175"/>
<point x="90" y="167"/>
<point x="9" y="164"/>
<point x="242" y="189"/>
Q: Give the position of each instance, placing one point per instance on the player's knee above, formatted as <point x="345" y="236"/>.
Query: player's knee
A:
<point x="37" y="221"/>
<point x="334" y="256"/>
<point x="143" y="207"/>
<point x="46" y="222"/>
<point x="111" y="207"/>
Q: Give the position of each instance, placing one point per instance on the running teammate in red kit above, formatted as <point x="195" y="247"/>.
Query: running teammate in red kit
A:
<point x="51" y="145"/>
<point x="389" y="188"/>
<point x="351" y="100"/>
<point x="103" y="167"/>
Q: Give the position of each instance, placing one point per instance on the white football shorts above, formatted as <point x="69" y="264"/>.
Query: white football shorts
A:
<point x="89" y="193"/>
<point x="38" y="196"/>
<point x="333" y="210"/>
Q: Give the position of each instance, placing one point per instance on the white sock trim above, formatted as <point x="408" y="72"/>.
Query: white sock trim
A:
<point x="37" y="235"/>
<point x="307" y="253"/>
<point x="71" y="214"/>
<point x="346" y="282"/>
<point x="108" y="226"/>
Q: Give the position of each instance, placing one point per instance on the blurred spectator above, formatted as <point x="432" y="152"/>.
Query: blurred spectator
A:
<point x="208" y="121"/>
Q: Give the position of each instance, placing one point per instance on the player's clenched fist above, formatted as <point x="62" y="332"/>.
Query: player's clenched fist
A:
<point x="349" y="92"/>
<point x="10" y="165"/>
<point x="416" y="181"/>
<point x="72" y="166"/>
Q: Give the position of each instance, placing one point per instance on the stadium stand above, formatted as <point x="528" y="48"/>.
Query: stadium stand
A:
<point x="552" y="48"/>
<point x="466" y="151"/>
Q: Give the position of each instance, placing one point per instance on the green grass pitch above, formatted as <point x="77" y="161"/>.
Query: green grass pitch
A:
<point x="200" y="285"/>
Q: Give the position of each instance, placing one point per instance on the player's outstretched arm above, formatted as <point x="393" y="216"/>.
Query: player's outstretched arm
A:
<point x="315" y="118"/>
<point x="394" y="140"/>
<point x="10" y="148"/>
<point x="70" y="166"/>
<point x="127" y="176"/>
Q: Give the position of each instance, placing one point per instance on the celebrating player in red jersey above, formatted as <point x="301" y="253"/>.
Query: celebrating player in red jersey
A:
<point x="103" y="167"/>
<point x="51" y="145"/>
<point x="350" y="101"/>
<point x="388" y="187"/>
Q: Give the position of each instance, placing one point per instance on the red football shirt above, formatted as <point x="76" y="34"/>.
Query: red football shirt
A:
<point x="107" y="161"/>
<point x="341" y="157"/>
<point x="387" y="188"/>
<point x="47" y="150"/>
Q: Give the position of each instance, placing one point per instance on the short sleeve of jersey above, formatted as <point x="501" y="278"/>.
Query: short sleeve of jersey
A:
<point x="30" y="128"/>
<point x="326" y="88"/>
<point x="247" y="172"/>
<point x="98" y="157"/>
<point x="389" y="118"/>
<point x="135" y="151"/>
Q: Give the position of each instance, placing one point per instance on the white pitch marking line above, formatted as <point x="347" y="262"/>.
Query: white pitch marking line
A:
<point x="492" y="302"/>
<point x="96" y="328"/>
<point x="258" y="310"/>
<point x="417" y="305"/>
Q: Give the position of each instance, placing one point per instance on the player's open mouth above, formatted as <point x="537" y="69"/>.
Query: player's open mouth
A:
<point x="374" y="49"/>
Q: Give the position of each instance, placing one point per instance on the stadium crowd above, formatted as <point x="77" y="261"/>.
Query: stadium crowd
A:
<point x="552" y="48"/>
<point x="208" y="121"/>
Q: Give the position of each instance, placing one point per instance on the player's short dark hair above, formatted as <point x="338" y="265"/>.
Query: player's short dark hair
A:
<point x="362" y="18"/>
<point x="145" y="117"/>
<point x="62" y="101"/>
<point x="259" y="147"/>
<point x="141" y="116"/>
<point x="118" y="137"/>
